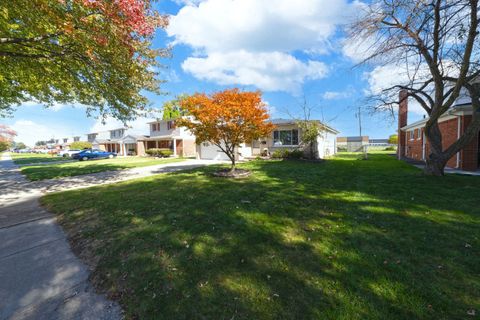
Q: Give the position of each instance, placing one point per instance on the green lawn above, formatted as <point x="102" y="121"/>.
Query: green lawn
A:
<point x="27" y="158"/>
<point x="69" y="169"/>
<point x="343" y="239"/>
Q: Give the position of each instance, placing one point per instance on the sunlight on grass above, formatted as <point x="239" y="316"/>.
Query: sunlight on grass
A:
<point x="343" y="239"/>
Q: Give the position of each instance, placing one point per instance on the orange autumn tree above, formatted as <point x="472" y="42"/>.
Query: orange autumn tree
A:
<point x="226" y="119"/>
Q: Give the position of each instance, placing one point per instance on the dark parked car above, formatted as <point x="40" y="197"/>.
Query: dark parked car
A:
<point x="93" y="154"/>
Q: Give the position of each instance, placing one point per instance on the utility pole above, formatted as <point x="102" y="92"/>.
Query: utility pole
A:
<point x="364" y="147"/>
<point x="360" y="120"/>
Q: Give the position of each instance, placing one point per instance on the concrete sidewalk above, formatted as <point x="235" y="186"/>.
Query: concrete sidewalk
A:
<point x="40" y="277"/>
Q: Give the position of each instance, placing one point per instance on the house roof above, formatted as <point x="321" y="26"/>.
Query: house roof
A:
<point x="120" y="140"/>
<point x="167" y="137"/>
<point x="456" y="110"/>
<point x="280" y="122"/>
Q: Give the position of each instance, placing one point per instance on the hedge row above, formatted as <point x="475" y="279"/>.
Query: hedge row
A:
<point x="162" y="153"/>
<point x="287" y="154"/>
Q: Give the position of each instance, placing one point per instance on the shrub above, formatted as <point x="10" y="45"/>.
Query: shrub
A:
<point x="391" y="148"/>
<point x="279" y="153"/>
<point x="162" y="153"/>
<point x="295" y="154"/>
<point x="287" y="154"/>
<point x="165" y="153"/>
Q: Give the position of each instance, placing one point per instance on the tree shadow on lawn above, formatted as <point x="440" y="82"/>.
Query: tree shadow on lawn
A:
<point x="34" y="160"/>
<point x="35" y="173"/>
<point x="292" y="242"/>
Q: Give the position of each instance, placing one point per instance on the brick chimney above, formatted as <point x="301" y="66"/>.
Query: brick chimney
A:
<point x="402" y="122"/>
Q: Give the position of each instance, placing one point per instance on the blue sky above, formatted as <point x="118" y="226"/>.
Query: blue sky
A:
<point x="291" y="50"/>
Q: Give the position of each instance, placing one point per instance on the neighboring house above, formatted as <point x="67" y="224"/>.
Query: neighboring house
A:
<point x="352" y="144"/>
<point x="65" y="143"/>
<point x="164" y="134"/>
<point x="118" y="140"/>
<point x="413" y="144"/>
<point x="287" y="135"/>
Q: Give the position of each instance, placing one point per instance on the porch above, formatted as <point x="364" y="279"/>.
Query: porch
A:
<point x="126" y="147"/>
<point x="179" y="146"/>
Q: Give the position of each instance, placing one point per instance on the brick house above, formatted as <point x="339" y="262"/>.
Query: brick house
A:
<point x="412" y="143"/>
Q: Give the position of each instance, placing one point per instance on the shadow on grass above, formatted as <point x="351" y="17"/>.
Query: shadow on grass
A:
<point x="35" y="160"/>
<point x="35" y="173"/>
<point x="345" y="239"/>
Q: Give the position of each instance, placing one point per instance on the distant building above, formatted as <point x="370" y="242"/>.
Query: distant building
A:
<point x="379" y="143"/>
<point x="352" y="144"/>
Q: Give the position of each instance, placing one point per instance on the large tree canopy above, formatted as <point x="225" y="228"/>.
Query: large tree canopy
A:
<point x="92" y="52"/>
<point x="435" y="44"/>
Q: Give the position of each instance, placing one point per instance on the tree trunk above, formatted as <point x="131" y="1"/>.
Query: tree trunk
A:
<point x="438" y="158"/>
<point x="233" y="167"/>
<point x="435" y="163"/>
<point x="435" y="166"/>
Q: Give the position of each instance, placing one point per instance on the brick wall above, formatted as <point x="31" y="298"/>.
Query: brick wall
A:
<point x="467" y="158"/>
<point x="449" y="131"/>
<point x="402" y="122"/>
<point x="469" y="155"/>
<point x="414" y="149"/>
<point x="189" y="148"/>
<point x="141" y="148"/>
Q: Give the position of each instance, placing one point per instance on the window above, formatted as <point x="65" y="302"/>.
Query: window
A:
<point x="285" y="137"/>
<point x="76" y="139"/>
<point x="155" y="126"/>
<point x="419" y="134"/>
<point x="65" y="140"/>
<point x="412" y="134"/>
<point x="170" y="125"/>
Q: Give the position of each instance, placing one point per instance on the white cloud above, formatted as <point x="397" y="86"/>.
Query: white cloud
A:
<point x="30" y="132"/>
<point x="138" y="126"/>
<point x="258" y="25"/>
<point x="188" y="2"/>
<point x="358" y="51"/>
<point x="387" y="76"/>
<point x="272" y="71"/>
<point x="334" y="95"/>
<point x="235" y="39"/>
<point x="272" y="110"/>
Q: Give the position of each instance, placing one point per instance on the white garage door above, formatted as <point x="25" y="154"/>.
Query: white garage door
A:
<point x="209" y="151"/>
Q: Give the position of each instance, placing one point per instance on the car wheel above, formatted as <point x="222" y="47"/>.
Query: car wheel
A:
<point x="84" y="158"/>
<point x="110" y="156"/>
